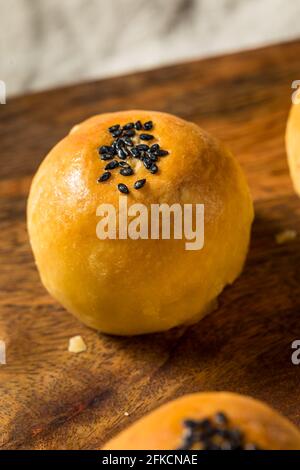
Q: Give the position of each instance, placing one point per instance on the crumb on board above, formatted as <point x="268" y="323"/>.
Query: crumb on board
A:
<point x="76" y="345"/>
<point x="285" y="236"/>
<point x="126" y="413"/>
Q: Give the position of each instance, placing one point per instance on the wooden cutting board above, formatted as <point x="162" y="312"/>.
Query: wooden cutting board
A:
<point x="52" y="399"/>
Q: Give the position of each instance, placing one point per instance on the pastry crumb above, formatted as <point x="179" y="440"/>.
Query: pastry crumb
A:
<point x="285" y="236"/>
<point x="126" y="413"/>
<point x="76" y="345"/>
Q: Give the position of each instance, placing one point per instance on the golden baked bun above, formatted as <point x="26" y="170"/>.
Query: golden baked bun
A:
<point x="210" y="421"/>
<point x="128" y="287"/>
<point x="293" y="145"/>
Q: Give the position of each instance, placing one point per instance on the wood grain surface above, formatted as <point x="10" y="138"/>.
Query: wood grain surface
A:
<point x="52" y="399"/>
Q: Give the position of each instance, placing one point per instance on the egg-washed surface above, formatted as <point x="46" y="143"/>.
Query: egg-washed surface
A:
<point x="292" y="139"/>
<point x="159" y="283"/>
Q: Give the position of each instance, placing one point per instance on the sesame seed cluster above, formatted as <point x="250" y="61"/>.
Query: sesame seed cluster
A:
<point x="124" y="148"/>
<point x="213" y="434"/>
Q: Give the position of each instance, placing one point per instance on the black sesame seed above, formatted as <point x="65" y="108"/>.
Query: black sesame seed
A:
<point x="142" y="147"/>
<point x="221" y="418"/>
<point x="106" y="149"/>
<point x="224" y="433"/>
<point x="117" y="133"/>
<point x="107" y="156"/>
<point x="135" y="152"/>
<point x="122" y="153"/>
<point x="119" y="143"/>
<point x="235" y="435"/>
<point x="130" y="133"/>
<point x="154" y="148"/>
<point x="139" y="184"/>
<point x="188" y="436"/>
<point x="112" y="165"/>
<point x="154" y="168"/>
<point x="148" y="125"/>
<point x="126" y="171"/>
<point x="123" y="188"/>
<point x="128" y="126"/>
<point x="124" y="164"/>
<point x="138" y="125"/>
<point x="128" y="141"/>
<point x="146" y="137"/>
<point x="114" y="128"/>
<point x="190" y="423"/>
<point x="205" y="424"/>
<point x="114" y="146"/>
<point x="104" y="177"/>
<point x="161" y="153"/>
<point x="153" y="157"/>
<point x="147" y="162"/>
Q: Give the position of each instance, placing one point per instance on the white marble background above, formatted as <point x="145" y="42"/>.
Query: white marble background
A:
<point x="46" y="43"/>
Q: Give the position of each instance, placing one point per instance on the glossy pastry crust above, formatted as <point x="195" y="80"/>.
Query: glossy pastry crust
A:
<point x="293" y="145"/>
<point x="128" y="287"/>
<point x="163" y="428"/>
